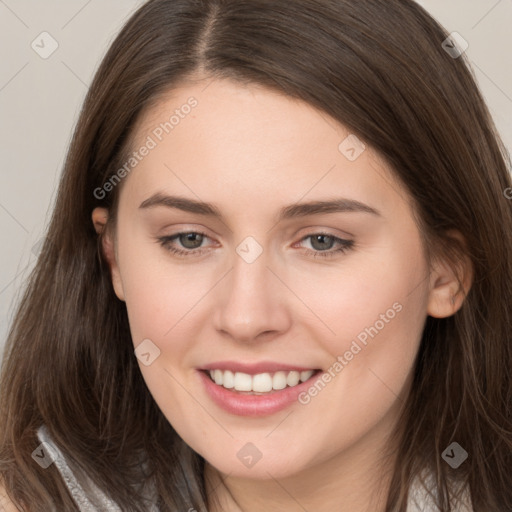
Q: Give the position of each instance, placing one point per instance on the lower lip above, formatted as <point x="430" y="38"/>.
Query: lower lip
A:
<point x="253" y="405"/>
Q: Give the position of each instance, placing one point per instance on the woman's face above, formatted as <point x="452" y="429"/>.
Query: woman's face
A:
<point x="276" y="284"/>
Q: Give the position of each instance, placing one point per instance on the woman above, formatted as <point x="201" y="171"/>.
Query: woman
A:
<point x="277" y="276"/>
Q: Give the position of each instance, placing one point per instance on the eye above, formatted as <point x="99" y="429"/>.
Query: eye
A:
<point x="322" y="244"/>
<point x="190" y="240"/>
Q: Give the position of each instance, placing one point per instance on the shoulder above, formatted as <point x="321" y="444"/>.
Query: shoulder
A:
<point x="6" y="505"/>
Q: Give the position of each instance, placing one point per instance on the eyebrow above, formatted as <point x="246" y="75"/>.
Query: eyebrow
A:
<point x="337" y="205"/>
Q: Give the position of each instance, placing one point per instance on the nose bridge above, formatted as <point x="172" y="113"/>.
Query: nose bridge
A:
<point x="250" y="274"/>
<point x="251" y="302"/>
<point x="249" y="282"/>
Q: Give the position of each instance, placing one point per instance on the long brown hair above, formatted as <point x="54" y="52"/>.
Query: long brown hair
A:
<point x="379" y="68"/>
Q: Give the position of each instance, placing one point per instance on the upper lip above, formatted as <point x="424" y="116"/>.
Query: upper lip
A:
<point x="255" y="368"/>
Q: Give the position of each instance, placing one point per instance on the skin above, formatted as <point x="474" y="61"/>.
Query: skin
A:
<point x="6" y="504"/>
<point x="251" y="151"/>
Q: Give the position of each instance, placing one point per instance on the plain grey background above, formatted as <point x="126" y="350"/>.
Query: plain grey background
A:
<point x="40" y="99"/>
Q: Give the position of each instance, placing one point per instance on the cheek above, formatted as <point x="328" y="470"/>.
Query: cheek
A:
<point x="369" y="293"/>
<point x="157" y="294"/>
<point x="158" y="298"/>
<point x="372" y="317"/>
<point x="166" y="305"/>
<point x="369" y="371"/>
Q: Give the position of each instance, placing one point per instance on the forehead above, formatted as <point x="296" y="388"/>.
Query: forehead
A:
<point x="220" y="139"/>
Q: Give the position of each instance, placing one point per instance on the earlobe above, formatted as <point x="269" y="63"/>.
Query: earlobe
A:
<point x="449" y="285"/>
<point x="99" y="220"/>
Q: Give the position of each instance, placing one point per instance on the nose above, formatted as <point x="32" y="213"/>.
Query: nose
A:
<point x="252" y="303"/>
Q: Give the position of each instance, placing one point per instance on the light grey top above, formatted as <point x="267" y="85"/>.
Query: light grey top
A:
<point x="421" y="500"/>
<point x="89" y="498"/>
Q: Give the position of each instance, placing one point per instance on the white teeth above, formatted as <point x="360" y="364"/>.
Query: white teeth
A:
<point x="261" y="382"/>
<point x="279" y="380"/>
<point x="293" y="378"/>
<point x="218" y="377"/>
<point x="304" y="376"/>
<point x="243" y="382"/>
<point x="229" y="379"/>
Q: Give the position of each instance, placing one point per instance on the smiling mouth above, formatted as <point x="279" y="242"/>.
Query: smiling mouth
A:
<point x="260" y="384"/>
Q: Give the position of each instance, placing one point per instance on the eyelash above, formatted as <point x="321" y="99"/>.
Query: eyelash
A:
<point x="345" y="245"/>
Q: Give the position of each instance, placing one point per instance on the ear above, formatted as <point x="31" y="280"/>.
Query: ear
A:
<point x="447" y="294"/>
<point x="99" y="219"/>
